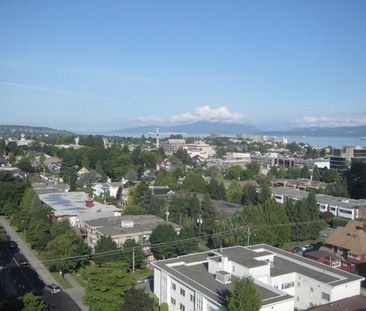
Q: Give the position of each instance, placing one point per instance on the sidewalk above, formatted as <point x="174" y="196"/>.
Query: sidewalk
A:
<point x="76" y="292"/>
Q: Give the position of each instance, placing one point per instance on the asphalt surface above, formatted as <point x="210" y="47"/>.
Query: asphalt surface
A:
<point x="18" y="276"/>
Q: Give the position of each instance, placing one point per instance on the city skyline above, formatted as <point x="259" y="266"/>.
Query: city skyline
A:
<point x="113" y="65"/>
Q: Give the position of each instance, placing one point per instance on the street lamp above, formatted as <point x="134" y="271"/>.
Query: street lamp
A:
<point x="199" y="222"/>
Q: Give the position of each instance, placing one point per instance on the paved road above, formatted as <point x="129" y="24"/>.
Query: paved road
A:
<point x="35" y="276"/>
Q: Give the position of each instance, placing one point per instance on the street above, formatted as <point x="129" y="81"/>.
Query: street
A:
<point x="20" y="275"/>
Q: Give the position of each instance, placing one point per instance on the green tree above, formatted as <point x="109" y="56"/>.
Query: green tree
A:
<point x="131" y="248"/>
<point x="331" y="175"/>
<point x="356" y="180"/>
<point x="69" y="250"/>
<point x="316" y="174"/>
<point x="216" y="189"/>
<point x="249" y="195"/>
<point x="107" y="286"/>
<point x="32" y="302"/>
<point x="234" y="192"/>
<point x="245" y="296"/>
<point x="194" y="182"/>
<point x="305" y="173"/>
<point x="208" y="214"/>
<point x="187" y="239"/>
<point x="139" y="300"/>
<point x="162" y="237"/>
<point x="234" y="172"/>
<point x="106" y="245"/>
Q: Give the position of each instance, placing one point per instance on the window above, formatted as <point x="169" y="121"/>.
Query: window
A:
<point x="191" y="298"/>
<point x="325" y="296"/>
<point x="233" y="268"/>
<point x="182" y="292"/>
<point x="173" y="286"/>
<point x="311" y="289"/>
<point x="182" y="307"/>
<point x="287" y="285"/>
<point x="172" y="300"/>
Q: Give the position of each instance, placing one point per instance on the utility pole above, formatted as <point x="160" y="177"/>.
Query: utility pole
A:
<point x="133" y="260"/>
<point x="248" y="236"/>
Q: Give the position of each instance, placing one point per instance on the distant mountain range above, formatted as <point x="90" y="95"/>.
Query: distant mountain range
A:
<point x="29" y="131"/>
<point x="206" y="128"/>
<point x="197" y="128"/>
<point x="201" y="128"/>
<point x="349" y="131"/>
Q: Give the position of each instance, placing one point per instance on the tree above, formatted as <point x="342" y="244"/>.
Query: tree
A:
<point x="194" y="182"/>
<point x="249" y="195"/>
<point x="107" y="286"/>
<point x="69" y="250"/>
<point x="183" y="156"/>
<point x="245" y="296"/>
<point x="316" y="174"/>
<point x="187" y="239"/>
<point x="32" y="302"/>
<point x="208" y="214"/>
<point x="139" y="300"/>
<point x="131" y="248"/>
<point x="234" y="172"/>
<point x="216" y="189"/>
<point x="106" y="244"/>
<point x="234" y="192"/>
<point x="331" y="175"/>
<point x="162" y="237"/>
<point x="356" y="180"/>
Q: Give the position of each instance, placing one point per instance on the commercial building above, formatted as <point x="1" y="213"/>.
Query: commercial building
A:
<point x="342" y="158"/>
<point x="127" y="227"/>
<point x="285" y="281"/>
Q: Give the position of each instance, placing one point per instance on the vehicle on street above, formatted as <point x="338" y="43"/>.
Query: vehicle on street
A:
<point x="308" y="248"/>
<point x="24" y="263"/>
<point x="12" y="245"/>
<point x="53" y="288"/>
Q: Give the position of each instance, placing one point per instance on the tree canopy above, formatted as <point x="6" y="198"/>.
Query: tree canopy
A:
<point x="245" y="296"/>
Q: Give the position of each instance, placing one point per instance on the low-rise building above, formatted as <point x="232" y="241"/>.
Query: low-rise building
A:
<point x="285" y="281"/>
<point x="77" y="207"/>
<point x="348" y="244"/>
<point x="126" y="227"/>
<point x="342" y="207"/>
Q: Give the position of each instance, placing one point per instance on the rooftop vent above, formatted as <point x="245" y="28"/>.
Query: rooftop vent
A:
<point x="223" y="277"/>
<point x="127" y="223"/>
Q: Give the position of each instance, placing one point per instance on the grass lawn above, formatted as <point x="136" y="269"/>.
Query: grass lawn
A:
<point x="60" y="280"/>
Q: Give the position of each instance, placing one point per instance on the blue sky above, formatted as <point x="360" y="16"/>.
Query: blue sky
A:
<point x="99" y="65"/>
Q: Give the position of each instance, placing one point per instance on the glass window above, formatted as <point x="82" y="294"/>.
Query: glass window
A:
<point x="182" y="292"/>
<point x="325" y="296"/>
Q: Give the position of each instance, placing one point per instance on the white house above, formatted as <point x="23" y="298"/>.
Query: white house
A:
<point x="285" y="281"/>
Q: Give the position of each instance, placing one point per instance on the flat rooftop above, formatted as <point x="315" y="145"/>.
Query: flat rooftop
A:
<point x="193" y="270"/>
<point x="73" y="204"/>
<point x="141" y="223"/>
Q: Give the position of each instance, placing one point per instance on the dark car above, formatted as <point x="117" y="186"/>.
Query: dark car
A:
<point x="12" y="245"/>
<point x="24" y="263"/>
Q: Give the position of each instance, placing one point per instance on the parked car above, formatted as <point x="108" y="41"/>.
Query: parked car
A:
<point x="53" y="288"/>
<point x="24" y="263"/>
<point x="12" y="245"/>
<point x="308" y="248"/>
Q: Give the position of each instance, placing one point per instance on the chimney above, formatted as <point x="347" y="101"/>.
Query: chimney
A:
<point x="89" y="203"/>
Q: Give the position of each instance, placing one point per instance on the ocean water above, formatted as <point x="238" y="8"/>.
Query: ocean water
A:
<point x="336" y="142"/>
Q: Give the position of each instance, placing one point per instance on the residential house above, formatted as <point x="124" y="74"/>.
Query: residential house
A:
<point x="123" y="228"/>
<point x="348" y="245"/>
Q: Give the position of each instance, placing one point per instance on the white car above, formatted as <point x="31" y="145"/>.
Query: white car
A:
<point x="53" y="288"/>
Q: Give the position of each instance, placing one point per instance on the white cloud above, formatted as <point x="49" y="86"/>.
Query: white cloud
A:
<point x="206" y="113"/>
<point x="309" y="121"/>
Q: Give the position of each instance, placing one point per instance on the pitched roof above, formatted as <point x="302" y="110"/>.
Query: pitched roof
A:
<point x="351" y="237"/>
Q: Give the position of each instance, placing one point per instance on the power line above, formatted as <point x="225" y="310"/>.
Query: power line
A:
<point x="119" y="251"/>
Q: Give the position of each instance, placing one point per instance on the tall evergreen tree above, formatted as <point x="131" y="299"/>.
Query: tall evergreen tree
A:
<point x="245" y="296"/>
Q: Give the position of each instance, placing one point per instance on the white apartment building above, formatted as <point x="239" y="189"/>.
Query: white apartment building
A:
<point x="285" y="281"/>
